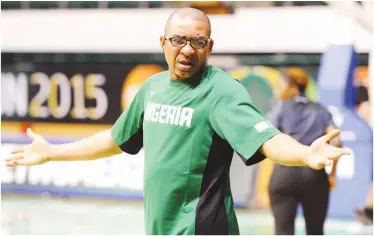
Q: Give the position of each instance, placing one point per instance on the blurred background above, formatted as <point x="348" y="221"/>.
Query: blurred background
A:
<point x="69" y="68"/>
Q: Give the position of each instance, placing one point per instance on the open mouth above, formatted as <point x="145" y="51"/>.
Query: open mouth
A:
<point x="185" y="65"/>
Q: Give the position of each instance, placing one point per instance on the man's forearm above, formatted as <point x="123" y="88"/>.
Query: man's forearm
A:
<point x="285" y="150"/>
<point x="96" y="146"/>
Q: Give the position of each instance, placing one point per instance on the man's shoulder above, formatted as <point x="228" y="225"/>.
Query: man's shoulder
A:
<point x="155" y="78"/>
<point x="224" y="83"/>
<point x="159" y="76"/>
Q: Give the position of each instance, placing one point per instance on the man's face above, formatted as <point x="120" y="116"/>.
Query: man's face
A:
<point x="186" y="58"/>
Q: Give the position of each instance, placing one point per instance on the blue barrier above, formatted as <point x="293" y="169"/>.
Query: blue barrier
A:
<point x="336" y="91"/>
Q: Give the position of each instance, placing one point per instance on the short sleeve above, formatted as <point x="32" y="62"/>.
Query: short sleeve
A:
<point x="238" y="121"/>
<point x="127" y="131"/>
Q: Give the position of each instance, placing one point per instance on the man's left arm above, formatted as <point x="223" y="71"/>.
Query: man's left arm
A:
<point x="285" y="150"/>
<point x="235" y="118"/>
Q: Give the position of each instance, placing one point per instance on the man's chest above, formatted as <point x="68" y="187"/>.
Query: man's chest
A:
<point x="174" y="110"/>
<point x="175" y="127"/>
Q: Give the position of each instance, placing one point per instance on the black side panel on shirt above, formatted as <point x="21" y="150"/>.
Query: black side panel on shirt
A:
<point x="256" y="158"/>
<point x="211" y="217"/>
<point x="134" y="144"/>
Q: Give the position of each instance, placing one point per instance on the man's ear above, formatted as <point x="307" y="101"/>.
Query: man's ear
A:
<point x="211" y="45"/>
<point x="162" y="42"/>
<point x="210" y="49"/>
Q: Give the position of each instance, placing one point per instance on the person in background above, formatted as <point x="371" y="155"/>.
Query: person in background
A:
<point x="361" y="82"/>
<point x="289" y="186"/>
<point x="365" y="213"/>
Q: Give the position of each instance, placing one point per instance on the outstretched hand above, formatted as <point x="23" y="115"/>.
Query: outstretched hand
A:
<point x="323" y="154"/>
<point x="31" y="154"/>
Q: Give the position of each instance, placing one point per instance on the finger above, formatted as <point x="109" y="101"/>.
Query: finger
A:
<point x="331" y="135"/>
<point x="338" y="153"/>
<point x="335" y="156"/>
<point x="18" y="149"/>
<point x="344" y="150"/>
<point x="22" y="162"/>
<point x="17" y="156"/>
<point x="11" y="164"/>
<point x="31" y="134"/>
<point x="347" y="152"/>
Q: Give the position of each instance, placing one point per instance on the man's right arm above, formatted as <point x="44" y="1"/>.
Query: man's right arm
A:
<point x="125" y="135"/>
<point x="97" y="146"/>
<point x="40" y="151"/>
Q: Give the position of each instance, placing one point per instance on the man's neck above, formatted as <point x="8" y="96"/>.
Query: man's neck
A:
<point x="192" y="78"/>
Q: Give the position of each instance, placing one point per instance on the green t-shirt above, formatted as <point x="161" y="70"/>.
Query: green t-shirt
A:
<point x="189" y="131"/>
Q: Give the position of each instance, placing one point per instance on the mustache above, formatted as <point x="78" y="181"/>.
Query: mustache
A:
<point x="187" y="60"/>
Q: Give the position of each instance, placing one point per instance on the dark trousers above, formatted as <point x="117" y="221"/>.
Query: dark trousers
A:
<point x="290" y="186"/>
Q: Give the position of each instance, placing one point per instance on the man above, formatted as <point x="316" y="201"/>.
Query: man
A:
<point x="289" y="186"/>
<point x="189" y="120"/>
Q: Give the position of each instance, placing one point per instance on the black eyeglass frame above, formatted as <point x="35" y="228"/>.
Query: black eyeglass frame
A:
<point x="207" y="40"/>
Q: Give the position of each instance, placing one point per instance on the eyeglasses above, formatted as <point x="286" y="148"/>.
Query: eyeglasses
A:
<point x="180" y="42"/>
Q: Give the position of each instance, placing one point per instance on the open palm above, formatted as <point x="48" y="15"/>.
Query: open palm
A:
<point x="31" y="154"/>
<point x="323" y="154"/>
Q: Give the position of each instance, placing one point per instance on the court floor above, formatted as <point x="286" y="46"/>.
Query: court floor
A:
<point x="45" y="215"/>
